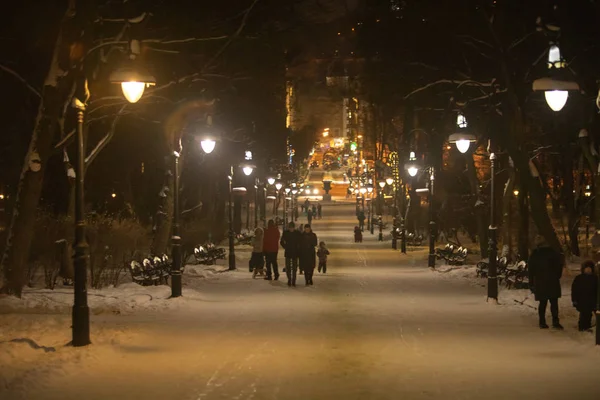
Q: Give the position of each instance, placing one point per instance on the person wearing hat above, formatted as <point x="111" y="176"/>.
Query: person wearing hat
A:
<point x="584" y="294"/>
<point x="545" y="270"/>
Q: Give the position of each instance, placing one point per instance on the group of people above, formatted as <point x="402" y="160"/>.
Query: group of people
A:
<point x="300" y="252"/>
<point x="545" y="270"/>
<point x="314" y="211"/>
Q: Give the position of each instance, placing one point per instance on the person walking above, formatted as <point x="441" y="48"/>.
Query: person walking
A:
<point x="314" y="211"/>
<point x="361" y="220"/>
<point x="319" y="209"/>
<point x="306" y="206"/>
<point x="309" y="216"/>
<point x="290" y="241"/>
<point x="584" y="294"/>
<point x="308" y="243"/>
<point x="271" y="248"/>
<point x="322" y="254"/>
<point x="545" y="270"/>
<point x="257" y="262"/>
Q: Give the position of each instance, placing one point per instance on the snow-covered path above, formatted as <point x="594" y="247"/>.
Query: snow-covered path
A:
<point x="378" y="326"/>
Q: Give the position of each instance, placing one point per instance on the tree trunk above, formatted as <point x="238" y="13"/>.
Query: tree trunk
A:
<point x="507" y="199"/>
<point x="523" y="232"/>
<point x="479" y="208"/>
<point x="568" y="198"/>
<point x="164" y="215"/>
<point x="22" y="225"/>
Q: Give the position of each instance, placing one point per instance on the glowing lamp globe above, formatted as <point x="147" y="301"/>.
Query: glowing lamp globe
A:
<point x="389" y="181"/>
<point x="556" y="99"/>
<point x="208" y="145"/>
<point x="363" y="190"/>
<point x="248" y="170"/>
<point x="133" y="82"/>
<point x="278" y="186"/>
<point x="271" y="181"/>
<point x="382" y="184"/>
<point x="412" y="171"/>
<point x="463" y="145"/>
<point x="307" y="191"/>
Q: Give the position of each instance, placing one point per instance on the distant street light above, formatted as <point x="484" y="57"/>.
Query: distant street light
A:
<point x="271" y="181"/>
<point x="278" y="186"/>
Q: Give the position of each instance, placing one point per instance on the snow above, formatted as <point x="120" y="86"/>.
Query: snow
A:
<point x="379" y="325"/>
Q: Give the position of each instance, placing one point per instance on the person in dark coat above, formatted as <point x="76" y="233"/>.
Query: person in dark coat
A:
<point x="361" y="220"/>
<point x="309" y="216"/>
<point x="308" y="254"/>
<point x="319" y="211"/>
<point x="290" y="241"/>
<point x="545" y="270"/>
<point x="584" y="294"/>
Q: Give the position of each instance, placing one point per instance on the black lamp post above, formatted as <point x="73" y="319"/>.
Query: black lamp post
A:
<point x="432" y="225"/>
<point x="493" y="243"/>
<point x="380" y="209"/>
<point x="176" y="266"/>
<point x="371" y="213"/>
<point x="133" y="83"/>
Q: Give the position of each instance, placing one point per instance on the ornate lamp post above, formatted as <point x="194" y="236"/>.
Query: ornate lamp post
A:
<point x="133" y="81"/>
<point x="371" y="215"/>
<point x="462" y="138"/>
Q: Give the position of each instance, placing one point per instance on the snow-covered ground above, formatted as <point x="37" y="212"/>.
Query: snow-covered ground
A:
<point x="379" y="325"/>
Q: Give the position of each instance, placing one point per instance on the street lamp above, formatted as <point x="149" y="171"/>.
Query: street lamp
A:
<point x="278" y="186"/>
<point x="412" y="166"/>
<point x="248" y="169"/>
<point x="134" y="79"/>
<point x="557" y="85"/>
<point x="461" y="137"/>
<point x="133" y="82"/>
<point x="271" y="181"/>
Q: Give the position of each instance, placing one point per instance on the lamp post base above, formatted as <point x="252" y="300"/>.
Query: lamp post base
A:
<point x="81" y="326"/>
<point x="176" y="285"/>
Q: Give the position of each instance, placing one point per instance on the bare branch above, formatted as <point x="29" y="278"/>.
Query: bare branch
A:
<point x="65" y="140"/>
<point x="451" y="82"/>
<point x="21" y="79"/>
<point x="105" y="140"/>
<point x="234" y="36"/>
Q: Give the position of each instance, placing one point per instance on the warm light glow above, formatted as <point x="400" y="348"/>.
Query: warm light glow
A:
<point x="113" y="195"/>
<point x="271" y="181"/>
<point x="316" y="191"/>
<point x="325" y="134"/>
<point x="247" y="170"/>
<point x="287" y="190"/>
<point x="556" y="99"/>
<point x="389" y="181"/>
<point x="588" y="194"/>
<point x="294" y="191"/>
<point x="370" y="189"/>
<point x="412" y="171"/>
<point x="307" y="191"/>
<point x="382" y="184"/>
<point x="363" y="190"/>
<point x="133" y="91"/>
<point x="208" y="145"/>
<point x="463" y="145"/>
<point x="278" y="186"/>
<point x="1" y="197"/>
<point x="516" y="192"/>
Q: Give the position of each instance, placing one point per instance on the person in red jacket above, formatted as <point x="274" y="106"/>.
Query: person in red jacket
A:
<point x="270" y="248"/>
